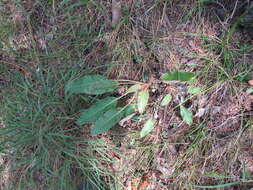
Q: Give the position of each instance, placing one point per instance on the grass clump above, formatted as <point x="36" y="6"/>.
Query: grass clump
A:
<point x="45" y="149"/>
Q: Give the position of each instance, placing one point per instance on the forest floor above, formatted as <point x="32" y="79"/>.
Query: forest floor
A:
<point x="44" y="44"/>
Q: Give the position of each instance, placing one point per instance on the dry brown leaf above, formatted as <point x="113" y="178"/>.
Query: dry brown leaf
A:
<point x="143" y="185"/>
<point x="136" y="184"/>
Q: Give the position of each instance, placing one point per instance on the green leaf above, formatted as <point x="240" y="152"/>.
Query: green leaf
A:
<point x="178" y="76"/>
<point x="1" y="45"/>
<point x="193" y="90"/>
<point x="243" y="77"/>
<point x="129" y="109"/>
<point x="142" y="100"/>
<point x="92" y="84"/>
<point x="148" y="127"/>
<point x="95" y="111"/>
<point x="134" y="88"/>
<point x="217" y="186"/>
<point x="166" y="100"/>
<point x="250" y="91"/>
<point x="186" y="115"/>
<point x="107" y="121"/>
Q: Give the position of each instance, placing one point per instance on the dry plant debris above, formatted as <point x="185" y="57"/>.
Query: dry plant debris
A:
<point x="148" y="39"/>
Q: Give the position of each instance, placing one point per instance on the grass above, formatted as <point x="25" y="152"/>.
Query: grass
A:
<point x="43" y="139"/>
<point x="45" y="44"/>
<point x="42" y="146"/>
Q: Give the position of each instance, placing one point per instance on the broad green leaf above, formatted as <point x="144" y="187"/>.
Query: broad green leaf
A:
<point x="129" y="109"/>
<point x="107" y="121"/>
<point x="148" y="127"/>
<point x="142" y="100"/>
<point x="92" y="84"/>
<point x="134" y="88"/>
<point x="178" y="76"/>
<point x="166" y="100"/>
<point x="186" y="115"/>
<point x="193" y="90"/>
<point x="95" y="111"/>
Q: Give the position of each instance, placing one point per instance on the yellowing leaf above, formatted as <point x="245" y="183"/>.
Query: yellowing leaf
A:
<point x="186" y="115"/>
<point x="142" y="100"/>
<point x="148" y="127"/>
<point x="193" y="90"/>
<point x="166" y="100"/>
<point x="134" y="88"/>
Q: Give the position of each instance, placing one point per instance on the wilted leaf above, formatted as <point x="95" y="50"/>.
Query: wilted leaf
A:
<point x="142" y="100"/>
<point x="148" y="127"/>
<point x="92" y="84"/>
<point x="186" y="115"/>
<point x="193" y="90"/>
<point x="134" y="88"/>
<point x="95" y="111"/>
<point x="166" y="100"/>
<point x="178" y="76"/>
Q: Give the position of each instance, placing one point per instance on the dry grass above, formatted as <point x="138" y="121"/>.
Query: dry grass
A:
<point x="151" y="38"/>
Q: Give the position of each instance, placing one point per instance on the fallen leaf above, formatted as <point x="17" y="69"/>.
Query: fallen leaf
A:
<point x="186" y="115"/>
<point x="166" y="100"/>
<point x="143" y="185"/>
<point x="148" y="127"/>
<point x="142" y="101"/>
